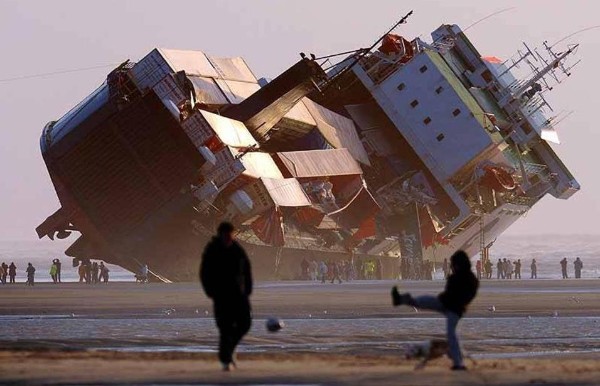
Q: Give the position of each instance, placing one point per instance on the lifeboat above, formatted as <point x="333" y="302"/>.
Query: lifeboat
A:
<point x="498" y="178"/>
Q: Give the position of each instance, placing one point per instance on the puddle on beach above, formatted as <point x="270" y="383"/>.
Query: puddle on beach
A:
<point x="486" y="337"/>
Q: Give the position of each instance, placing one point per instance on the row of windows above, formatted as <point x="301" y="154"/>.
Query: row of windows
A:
<point x="427" y="120"/>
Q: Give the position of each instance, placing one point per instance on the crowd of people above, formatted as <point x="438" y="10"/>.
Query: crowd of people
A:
<point x="340" y="270"/>
<point x="9" y="271"/>
<point x="409" y="269"/>
<point x="88" y="272"/>
<point x="506" y="269"/>
<point x="92" y="272"/>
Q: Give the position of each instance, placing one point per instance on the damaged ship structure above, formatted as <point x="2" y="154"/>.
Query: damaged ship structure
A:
<point x="409" y="148"/>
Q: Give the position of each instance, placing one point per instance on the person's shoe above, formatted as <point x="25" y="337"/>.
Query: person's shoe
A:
<point x="458" y="368"/>
<point x="396" y="297"/>
<point x="228" y="366"/>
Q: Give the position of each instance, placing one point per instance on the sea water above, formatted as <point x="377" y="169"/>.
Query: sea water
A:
<point x="481" y="336"/>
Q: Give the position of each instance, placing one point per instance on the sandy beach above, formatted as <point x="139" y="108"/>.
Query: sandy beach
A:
<point x="541" y="332"/>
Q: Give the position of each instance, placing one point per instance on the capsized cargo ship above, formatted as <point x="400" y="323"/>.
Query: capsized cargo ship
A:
<point x="408" y="149"/>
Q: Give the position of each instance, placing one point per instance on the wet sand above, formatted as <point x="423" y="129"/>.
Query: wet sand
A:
<point x="299" y="299"/>
<point x="280" y="358"/>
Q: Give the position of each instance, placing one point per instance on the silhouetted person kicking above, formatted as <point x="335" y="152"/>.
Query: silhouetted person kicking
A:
<point x="226" y="277"/>
<point x="460" y="290"/>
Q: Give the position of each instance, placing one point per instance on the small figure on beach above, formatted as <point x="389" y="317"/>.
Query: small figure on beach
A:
<point x="4" y="270"/>
<point x="30" y="274"/>
<point x="95" y="273"/>
<point x="445" y="268"/>
<point x="499" y="269"/>
<point x="142" y="277"/>
<point x="103" y="276"/>
<point x="461" y="289"/>
<point x="478" y="269"/>
<point x="335" y="267"/>
<point x="12" y="272"/>
<point x="81" y="272"/>
<point x="518" y="269"/>
<point x="58" y="269"/>
<point x="323" y="271"/>
<point x="578" y="265"/>
<point x="509" y="269"/>
<point x="53" y="272"/>
<point x="88" y="271"/>
<point x="563" y="267"/>
<point x="533" y="269"/>
<point x="226" y="277"/>
<point x="488" y="268"/>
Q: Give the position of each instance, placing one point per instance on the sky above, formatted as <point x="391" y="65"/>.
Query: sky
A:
<point x="39" y="37"/>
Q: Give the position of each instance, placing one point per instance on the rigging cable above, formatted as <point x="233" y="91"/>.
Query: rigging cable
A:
<point x="60" y="72"/>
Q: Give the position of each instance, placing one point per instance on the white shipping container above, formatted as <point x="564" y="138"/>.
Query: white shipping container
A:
<point x="196" y="127"/>
<point x="150" y="70"/>
<point x="167" y="88"/>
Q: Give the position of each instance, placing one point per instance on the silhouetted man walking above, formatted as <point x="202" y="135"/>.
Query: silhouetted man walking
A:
<point x="226" y="277"/>
<point x="460" y="290"/>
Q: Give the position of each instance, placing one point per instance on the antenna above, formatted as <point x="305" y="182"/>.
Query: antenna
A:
<point x="364" y="52"/>
<point x="488" y="16"/>
<point x="530" y="86"/>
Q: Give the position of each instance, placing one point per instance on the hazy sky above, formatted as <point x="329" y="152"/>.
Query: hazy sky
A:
<point x="47" y="36"/>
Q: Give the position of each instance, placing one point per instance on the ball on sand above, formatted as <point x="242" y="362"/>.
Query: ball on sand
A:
<point x="274" y="324"/>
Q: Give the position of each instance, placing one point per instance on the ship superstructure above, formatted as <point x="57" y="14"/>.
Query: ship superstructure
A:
<point x="411" y="149"/>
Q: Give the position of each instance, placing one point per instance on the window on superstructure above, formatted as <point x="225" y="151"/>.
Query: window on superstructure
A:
<point x="427" y="120"/>
<point x="456" y="112"/>
<point x="439" y="90"/>
<point x="401" y="86"/>
<point x="423" y="69"/>
<point x="414" y="103"/>
<point x="440" y="137"/>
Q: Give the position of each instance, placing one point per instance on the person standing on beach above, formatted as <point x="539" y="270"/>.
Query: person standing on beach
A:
<point x="58" y="269"/>
<point x="563" y="266"/>
<point x="323" y="271"/>
<point x="81" y="271"/>
<point x="499" y="269"/>
<point x="4" y="272"/>
<point x="226" y="277"/>
<point x="445" y="268"/>
<point x="518" y="269"/>
<point x="336" y="272"/>
<point x="488" y="268"/>
<point x="533" y="269"/>
<point x="578" y="265"/>
<point x="103" y="273"/>
<point x="30" y="274"/>
<point x="95" y="273"/>
<point x="478" y="269"/>
<point x="12" y="272"/>
<point x="461" y="289"/>
<point x="53" y="272"/>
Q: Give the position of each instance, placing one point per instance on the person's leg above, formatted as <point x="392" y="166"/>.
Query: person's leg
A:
<point x="243" y="323"/>
<point x="427" y="302"/>
<point x="454" y="352"/>
<point x="225" y="324"/>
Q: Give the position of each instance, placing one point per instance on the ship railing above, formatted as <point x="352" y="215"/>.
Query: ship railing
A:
<point x="379" y="66"/>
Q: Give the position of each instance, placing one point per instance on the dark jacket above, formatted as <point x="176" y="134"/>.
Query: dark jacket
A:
<point x="225" y="272"/>
<point x="460" y="290"/>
